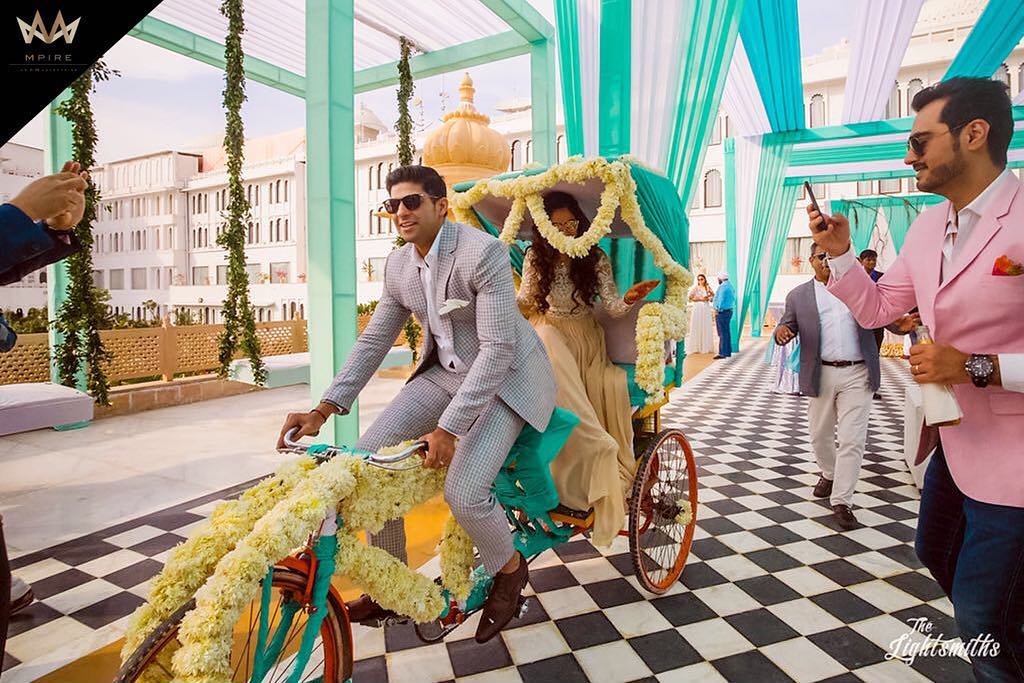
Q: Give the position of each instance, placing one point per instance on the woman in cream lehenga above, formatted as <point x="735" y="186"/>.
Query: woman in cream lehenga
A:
<point x="701" y="338"/>
<point x="595" y="468"/>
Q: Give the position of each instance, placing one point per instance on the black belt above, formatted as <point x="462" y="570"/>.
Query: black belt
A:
<point x="841" y="363"/>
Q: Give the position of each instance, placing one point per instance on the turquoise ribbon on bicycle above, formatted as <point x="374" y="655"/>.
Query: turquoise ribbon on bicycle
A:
<point x="326" y="548"/>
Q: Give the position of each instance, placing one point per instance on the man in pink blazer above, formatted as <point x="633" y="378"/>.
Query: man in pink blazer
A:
<point x="961" y="265"/>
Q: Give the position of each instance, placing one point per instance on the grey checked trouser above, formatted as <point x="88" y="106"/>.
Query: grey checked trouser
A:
<point x="468" y="485"/>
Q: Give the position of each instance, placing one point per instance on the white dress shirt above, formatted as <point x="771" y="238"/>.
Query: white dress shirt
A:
<point x="445" y="347"/>
<point x="840" y="335"/>
<point x="959" y="225"/>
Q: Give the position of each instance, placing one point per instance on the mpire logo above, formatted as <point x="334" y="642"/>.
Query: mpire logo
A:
<point x="38" y="29"/>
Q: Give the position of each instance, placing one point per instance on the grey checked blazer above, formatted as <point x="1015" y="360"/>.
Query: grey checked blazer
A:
<point x="801" y="316"/>
<point x="504" y="355"/>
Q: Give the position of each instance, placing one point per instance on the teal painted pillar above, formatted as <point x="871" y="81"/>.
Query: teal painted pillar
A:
<point x="330" y="201"/>
<point x="615" y="72"/>
<point x="542" y="98"/>
<point x="58" y="143"/>
<point x="731" y="258"/>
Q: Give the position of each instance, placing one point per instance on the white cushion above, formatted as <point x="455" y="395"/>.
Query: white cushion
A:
<point x="36" y="405"/>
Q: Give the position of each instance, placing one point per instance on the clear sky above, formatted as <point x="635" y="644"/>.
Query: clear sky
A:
<point x="163" y="100"/>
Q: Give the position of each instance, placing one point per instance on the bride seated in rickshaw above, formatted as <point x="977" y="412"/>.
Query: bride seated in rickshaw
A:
<point x="558" y="294"/>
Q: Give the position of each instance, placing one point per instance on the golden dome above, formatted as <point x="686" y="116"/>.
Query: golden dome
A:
<point x="465" y="147"/>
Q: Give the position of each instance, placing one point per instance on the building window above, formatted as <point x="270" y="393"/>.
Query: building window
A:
<point x="117" y="278"/>
<point x="1020" y="78"/>
<point x="817" y="111"/>
<point x="795" y="260"/>
<point x="560" y="150"/>
<point x="285" y="229"/>
<point x="716" y="131"/>
<point x="369" y="177"/>
<point x="253" y="271"/>
<point x="712" y="189"/>
<point x="889" y="186"/>
<point x="279" y="273"/>
<point x="913" y="87"/>
<point x="222" y="275"/>
<point x="529" y="151"/>
<point x="892" y="107"/>
<point x="1002" y="74"/>
<point x="865" y="188"/>
<point x="375" y="270"/>
<point x="517" y="149"/>
<point x="97" y="279"/>
<point x="819" y="190"/>
<point x="138" y="278"/>
<point x="380" y="172"/>
<point x="277" y="192"/>
<point x="200" y="275"/>
<point x="286" y="190"/>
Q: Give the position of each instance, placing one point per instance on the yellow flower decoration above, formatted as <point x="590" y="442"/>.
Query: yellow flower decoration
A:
<point x="619" y="193"/>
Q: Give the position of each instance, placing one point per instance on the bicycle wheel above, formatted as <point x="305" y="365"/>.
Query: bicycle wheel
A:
<point x="331" y="661"/>
<point x="665" y="482"/>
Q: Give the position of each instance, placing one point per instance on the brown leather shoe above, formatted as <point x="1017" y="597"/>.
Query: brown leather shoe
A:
<point x="844" y="517"/>
<point x="365" y="610"/>
<point x="503" y="602"/>
<point x="823" y="489"/>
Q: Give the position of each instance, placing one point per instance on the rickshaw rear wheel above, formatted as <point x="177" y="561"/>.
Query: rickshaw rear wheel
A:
<point x="665" y="484"/>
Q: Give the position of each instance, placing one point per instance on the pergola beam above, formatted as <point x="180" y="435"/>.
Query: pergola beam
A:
<point x="200" y="48"/>
<point x="472" y="53"/>
<point x="522" y="18"/>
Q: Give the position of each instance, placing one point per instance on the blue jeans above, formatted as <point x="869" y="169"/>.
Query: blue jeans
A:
<point x="723" y="321"/>
<point x="975" y="551"/>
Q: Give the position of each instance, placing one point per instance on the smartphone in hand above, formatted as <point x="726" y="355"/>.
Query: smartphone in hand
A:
<point x="814" y="204"/>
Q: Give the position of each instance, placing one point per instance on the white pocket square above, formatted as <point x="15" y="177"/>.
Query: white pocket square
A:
<point x="452" y="305"/>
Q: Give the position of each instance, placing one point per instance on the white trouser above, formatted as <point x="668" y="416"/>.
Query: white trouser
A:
<point x="843" y="405"/>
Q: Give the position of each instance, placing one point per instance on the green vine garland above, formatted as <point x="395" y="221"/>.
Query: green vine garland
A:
<point x="81" y="314"/>
<point x="239" y="322"/>
<point x="405" y="157"/>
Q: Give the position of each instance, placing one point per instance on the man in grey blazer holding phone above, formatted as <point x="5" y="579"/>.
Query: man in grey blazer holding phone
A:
<point x="484" y="375"/>
<point x="839" y="372"/>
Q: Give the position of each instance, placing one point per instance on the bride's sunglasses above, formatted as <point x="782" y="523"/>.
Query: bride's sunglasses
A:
<point x="409" y="201"/>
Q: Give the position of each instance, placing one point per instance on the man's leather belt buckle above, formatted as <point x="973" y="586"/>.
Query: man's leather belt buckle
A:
<point x="841" y="363"/>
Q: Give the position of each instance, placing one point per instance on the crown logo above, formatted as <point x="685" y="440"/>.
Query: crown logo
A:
<point x="38" y="29"/>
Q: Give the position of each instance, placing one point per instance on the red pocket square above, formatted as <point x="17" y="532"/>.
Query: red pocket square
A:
<point x="1005" y="265"/>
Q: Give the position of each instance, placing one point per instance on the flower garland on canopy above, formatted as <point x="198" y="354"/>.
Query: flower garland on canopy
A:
<point x="223" y="563"/>
<point x="657" y="322"/>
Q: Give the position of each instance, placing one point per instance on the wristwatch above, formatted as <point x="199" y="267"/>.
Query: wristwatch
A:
<point x="980" y="367"/>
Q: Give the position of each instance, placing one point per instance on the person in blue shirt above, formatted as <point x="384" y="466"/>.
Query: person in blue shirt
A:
<point x="725" y="301"/>
<point x="35" y="226"/>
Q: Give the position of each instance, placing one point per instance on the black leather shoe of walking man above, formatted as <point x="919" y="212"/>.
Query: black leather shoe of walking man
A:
<point x="503" y="602"/>
<point x="844" y="517"/>
<point x="823" y="489"/>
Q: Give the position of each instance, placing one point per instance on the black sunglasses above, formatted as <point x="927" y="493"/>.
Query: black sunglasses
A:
<point x="917" y="144"/>
<point x="821" y="256"/>
<point x="410" y="201"/>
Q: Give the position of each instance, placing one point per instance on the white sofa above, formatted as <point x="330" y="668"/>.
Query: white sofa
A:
<point x="35" y="405"/>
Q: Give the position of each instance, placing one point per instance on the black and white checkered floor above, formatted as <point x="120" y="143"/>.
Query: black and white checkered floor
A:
<point x="772" y="590"/>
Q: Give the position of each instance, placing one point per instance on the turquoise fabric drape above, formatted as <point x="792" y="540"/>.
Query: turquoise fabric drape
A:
<point x="775" y="153"/>
<point x="862" y="221"/>
<point x="709" y="35"/>
<point x="997" y="31"/>
<point x="770" y="30"/>
<point x="781" y="221"/>
<point x="616" y="77"/>
<point x="567" y="25"/>
<point x="900" y="212"/>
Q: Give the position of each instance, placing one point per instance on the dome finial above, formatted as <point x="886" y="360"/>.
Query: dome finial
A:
<point x="466" y="89"/>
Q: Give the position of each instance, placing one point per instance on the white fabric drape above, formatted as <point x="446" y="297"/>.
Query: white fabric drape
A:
<point x="657" y="46"/>
<point x="748" y="165"/>
<point x="741" y="98"/>
<point x="589" y="16"/>
<point x="881" y="35"/>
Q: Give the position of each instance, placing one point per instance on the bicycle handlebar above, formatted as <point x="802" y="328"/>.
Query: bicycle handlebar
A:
<point x="372" y="458"/>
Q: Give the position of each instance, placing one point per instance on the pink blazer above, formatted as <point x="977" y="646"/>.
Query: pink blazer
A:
<point x="974" y="311"/>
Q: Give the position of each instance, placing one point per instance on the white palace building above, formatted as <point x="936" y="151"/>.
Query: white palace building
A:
<point x="161" y="212"/>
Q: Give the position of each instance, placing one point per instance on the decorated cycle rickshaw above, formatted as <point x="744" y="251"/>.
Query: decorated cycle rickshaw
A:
<point x="248" y="597"/>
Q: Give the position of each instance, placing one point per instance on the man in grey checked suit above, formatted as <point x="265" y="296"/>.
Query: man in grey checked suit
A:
<point x="485" y="374"/>
<point x="839" y="372"/>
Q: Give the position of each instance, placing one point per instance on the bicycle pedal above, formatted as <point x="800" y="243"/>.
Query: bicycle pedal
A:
<point x="522" y="607"/>
<point x="386" y="621"/>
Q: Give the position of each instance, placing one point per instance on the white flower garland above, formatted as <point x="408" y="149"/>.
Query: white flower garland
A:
<point x="456" y="559"/>
<point x="206" y="632"/>
<point x="192" y="562"/>
<point x="619" y="192"/>
<point x="223" y="563"/>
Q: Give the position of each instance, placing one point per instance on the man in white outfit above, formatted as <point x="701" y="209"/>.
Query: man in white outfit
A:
<point x="839" y="372"/>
